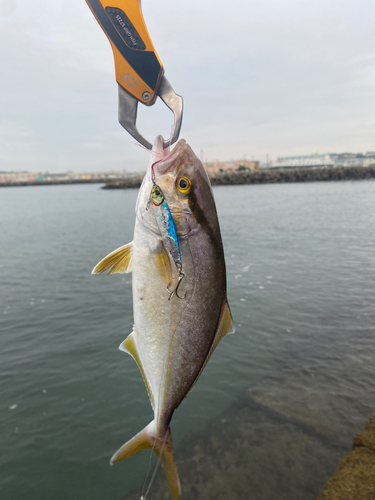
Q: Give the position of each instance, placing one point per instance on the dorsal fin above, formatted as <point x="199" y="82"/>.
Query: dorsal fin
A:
<point x="119" y="261"/>
<point x="225" y="326"/>
<point x="129" y="346"/>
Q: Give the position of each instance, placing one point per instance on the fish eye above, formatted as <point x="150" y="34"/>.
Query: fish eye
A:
<point x="184" y="185"/>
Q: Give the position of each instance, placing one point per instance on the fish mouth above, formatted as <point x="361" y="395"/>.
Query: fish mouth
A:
<point x="171" y="161"/>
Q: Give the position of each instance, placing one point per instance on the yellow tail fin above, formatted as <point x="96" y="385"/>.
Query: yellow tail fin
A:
<point x="162" y="446"/>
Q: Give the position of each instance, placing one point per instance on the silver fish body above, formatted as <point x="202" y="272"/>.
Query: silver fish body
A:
<point x="172" y="340"/>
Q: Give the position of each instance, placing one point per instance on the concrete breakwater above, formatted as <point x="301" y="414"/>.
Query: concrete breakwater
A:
<point x="133" y="182"/>
<point x="51" y="183"/>
<point x="265" y="176"/>
<point x="269" y="176"/>
<point x="355" y="477"/>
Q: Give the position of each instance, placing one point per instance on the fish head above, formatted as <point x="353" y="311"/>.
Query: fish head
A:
<point x="184" y="186"/>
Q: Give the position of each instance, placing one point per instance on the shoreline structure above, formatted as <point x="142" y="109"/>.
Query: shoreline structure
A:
<point x="51" y="183"/>
<point x="268" y="176"/>
<point x="354" y="479"/>
<point x="231" y="178"/>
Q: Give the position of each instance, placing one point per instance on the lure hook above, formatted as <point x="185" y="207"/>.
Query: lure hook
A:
<point x="181" y="276"/>
<point x="148" y="203"/>
<point x="153" y="185"/>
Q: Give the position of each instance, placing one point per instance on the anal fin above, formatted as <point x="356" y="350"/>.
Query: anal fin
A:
<point x="225" y="327"/>
<point x="119" y="261"/>
<point x="129" y="346"/>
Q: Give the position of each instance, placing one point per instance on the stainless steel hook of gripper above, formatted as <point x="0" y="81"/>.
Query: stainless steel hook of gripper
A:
<point x="128" y="107"/>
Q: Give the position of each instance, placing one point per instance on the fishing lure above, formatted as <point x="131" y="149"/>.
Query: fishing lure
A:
<point x="168" y="233"/>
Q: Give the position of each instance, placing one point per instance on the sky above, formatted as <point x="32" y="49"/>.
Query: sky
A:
<point x="276" y="77"/>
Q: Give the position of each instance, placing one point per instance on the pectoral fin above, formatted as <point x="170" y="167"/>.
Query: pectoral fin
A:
<point x="129" y="346"/>
<point x="118" y="261"/>
<point x="162" y="264"/>
<point x="225" y="326"/>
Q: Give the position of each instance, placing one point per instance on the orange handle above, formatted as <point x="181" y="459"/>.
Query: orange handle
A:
<point x="137" y="66"/>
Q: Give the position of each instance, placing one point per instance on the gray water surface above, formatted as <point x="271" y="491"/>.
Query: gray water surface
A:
<point x="300" y="262"/>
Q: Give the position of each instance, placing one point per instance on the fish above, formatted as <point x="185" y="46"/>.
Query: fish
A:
<point x="179" y="288"/>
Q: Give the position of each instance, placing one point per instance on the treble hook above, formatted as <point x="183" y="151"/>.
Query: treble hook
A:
<point x="181" y="276"/>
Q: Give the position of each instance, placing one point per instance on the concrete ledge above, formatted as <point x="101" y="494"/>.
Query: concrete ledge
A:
<point x="355" y="477"/>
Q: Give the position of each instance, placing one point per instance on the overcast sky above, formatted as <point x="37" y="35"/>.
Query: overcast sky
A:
<point x="283" y="77"/>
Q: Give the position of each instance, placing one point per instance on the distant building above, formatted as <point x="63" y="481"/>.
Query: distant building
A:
<point x="219" y="166"/>
<point x="314" y="160"/>
<point x="6" y="177"/>
<point x="353" y="159"/>
<point x="326" y="160"/>
<point x="97" y="175"/>
<point x="54" y="177"/>
<point x="25" y="177"/>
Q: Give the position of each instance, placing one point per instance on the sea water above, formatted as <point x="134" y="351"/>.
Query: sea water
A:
<point x="300" y="264"/>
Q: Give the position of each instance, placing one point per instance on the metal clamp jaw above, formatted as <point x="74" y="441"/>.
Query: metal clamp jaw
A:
<point x="128" y="107"/>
